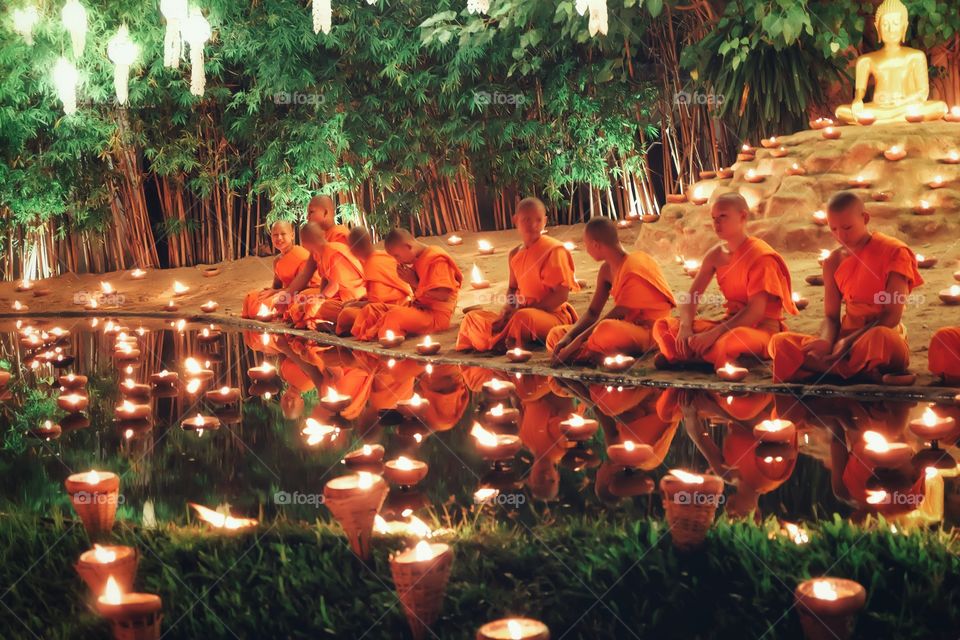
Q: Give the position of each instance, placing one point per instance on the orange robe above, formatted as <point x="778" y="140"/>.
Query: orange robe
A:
<point x="338" y="233"/>
<point x="862" y="280"/>
<point x="435" y="269"/>
<point x="754" y="268"/>
<point x="944" y="355"/>
<point x="383" y="284"/>
<point x="448" y="396"/>
<point x="537" y="269"/>
<point x="335" y="264"/>
<point x="640" y="287"/>
<point x="285" y="269"/>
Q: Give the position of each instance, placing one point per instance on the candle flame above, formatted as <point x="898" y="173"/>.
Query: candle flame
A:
<point x="514" y="628"/>
<point x="796" y="533"/>
<point x="773" y="426"/>
<point x="333" y="396"/>
<point x="404" y="463"/>
<point x="824" y="254"/>
<point x="317" y="432"/>
<point x="112" y="593"/>
<point x="192" y="365"/>
<point x="629" y="445"/>
<point x="390" y="335"/>
<point x="876" y="497"/>
<point x="576" y="420"/>
<point x="924" y="204"/>
<point x="569" y="246"/>
<point x="476" y="276"/>
<point x="365" y="480"/>
<point x="367" y="450"/>
<point x="824" y="590"/>
<point x="497" y="410"/>
<point x="690" y="265"/>
<point x="193" y="385"/>
<point x="221" y="520"/>
<point x="820" y="214"/>
<point x="484" y="438"/>
<point x="427" y="341"/>
<point x="689" y="478"/>
<point x="423" y="551"/>
<point x="876" y="442"/>
<point x="484" y="494"/>
<point x="484" y="245"/>
<point x="930" y="418"/>
<point x="106" y="288"/>
<point x="795" y="296"/>
<point x="103" y="555"/>
<point x="954" y="290"/>
<point x="179" y="287"/>
<point x="91" y="477"/>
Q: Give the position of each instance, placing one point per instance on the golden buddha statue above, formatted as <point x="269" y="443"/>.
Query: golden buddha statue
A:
<point x="900" y="75"/>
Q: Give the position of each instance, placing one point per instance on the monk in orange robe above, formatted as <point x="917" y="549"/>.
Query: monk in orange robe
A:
<point x="286" y="267"/>
<point x="641" y="296"/>
<point x="944" y="355"/>
<point x="435" y="279"/>
<point x="871" y="275"/>
<point x="340" y="278"/>
<point x="381" y="280"/>
<point x="541" y="279"/>
<point x="323" y="211"/>
<point x="755" y="281"/>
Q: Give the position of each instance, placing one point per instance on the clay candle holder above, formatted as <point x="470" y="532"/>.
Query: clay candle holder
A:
<point x="389" y="339"/>
<point x="796" y="170"/>
<point x="630" y="454"/>
<point x="134" y="616"/>
<point x="164" y="379"/>
<point x="953" y="157"/>
<point x="913" y="115"/>
<point x="859" y="182"/>
<point x="318" y="432"/>
<point x="97" y="565"/>
<point x="138" y="274"/>
<point x="484" y="247"/>
<point x="519" y="355"/>
<point x="577" y="428"/>
<point x="698" y="196"/>
<point x="884" y="454"/>
<point x="769" y="143"/>
<point x="223" y="396"/>
<point x="831" y="133"/>
<point x="200" y="423"/>
<point x="420" y="575"/>
<point x="19" y="307"/>
<point x="501" y="416"/>
<point x="725" y="174"/>
<point x="414" y="406"/>
<point x="454" y="240"/>
<point x="691" y="267"/>
<point x="94" y="496"/>
<point x="731" y="373"/>
<point x="497" y="389"/>
<point x="266" y="314"/>
<point x="354" y="501"/>
<point x="953" y="115"/>
<point x="208" y="335"/>
<point x="828" y="607"/>
<point x="799" y="301"/>
<point x="209" y="306"/>
<point x="650" y="218"/>
<point x="895" y="153"/>
<point x="171" y="306"/>
<point x="937" y="182"/>
<point x="477" y="281"/>
<point x="366" y="456"/>
<point x="130" y="411"/>
<point x="263" y="372"/>
<point x="932" y="427"/>
<point x="46" y="430"/>
<point x="495" y="447"/>
<point x="428" y="347"/>
<point x="197" y="371"/>
<point x="753" y="177"/>
<point x="708" y="175"/>
<point x="131" y="389"/>
<point x="924" y="262"/>
<point x="618" y="363"/>
<point x="924" y="208"/>
<point x="514" y="629"/>
<point x="404" y="472"/>
<point x="334" y="401"/>
<point x="676" y="198"/>
<point x="75" y="402"/>
<point x="950" y="295"/>
<point x="70" y="382"/>
<point x="866" y="119"/>
<point x="690" y="501"/>
<point x="777" y="430"/>
<point x="779" y="152"/>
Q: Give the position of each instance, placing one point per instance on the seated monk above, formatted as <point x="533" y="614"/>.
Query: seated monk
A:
<point x="755" y="281"/>
<point x="382" y="282"/>
<point x="286" y="267"/>
<point x="640" y="295"/>
<point x="541" y="279"/>
<point x="900" y="75"/>
<point x="943" y="357"/>
<point x="340" y="279"/>
<point x="323" y="211"/>
<point x="435" y="279"/>
<point x="870" y="274"/>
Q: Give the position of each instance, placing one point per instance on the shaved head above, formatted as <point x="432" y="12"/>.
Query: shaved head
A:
<point x="312" y="235"/>
<point x="848" y="219"/>
<point x="532" y="205"/>
<point x="845" y="201"/>
<point x="322" y="210"/>
<point x="733" y="202"/>
<point x="602" y="230"/>
<point x="398" y="236"/>
<point x="729" y="214"/>
<point x="530" y="219"/>
<point x="401" y="244"/>
<point x="282" y="225"/>
<point x="361" y="245"/>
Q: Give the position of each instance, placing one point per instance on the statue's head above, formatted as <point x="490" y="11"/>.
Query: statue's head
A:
<point x="891" y="21"/>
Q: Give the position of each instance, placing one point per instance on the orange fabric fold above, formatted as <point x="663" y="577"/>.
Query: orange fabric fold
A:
<point x="285" y="269"/>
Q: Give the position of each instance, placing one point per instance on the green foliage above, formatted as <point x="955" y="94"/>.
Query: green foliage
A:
<point x="37" y="407"/>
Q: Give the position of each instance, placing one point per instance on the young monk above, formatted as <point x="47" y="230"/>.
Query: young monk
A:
<point x="323" y="211"/>
<point x="870" y="274"/>
<point x="641" y="296"/>
<point x="383" y="283"/>
<point x="435" y="279"/>
<point x="943" y="356"/>
<point x="755" y="281"/>
<point x="541" y="279"/>
<point x="339" y="276"/>
<point x="286" y="267"/>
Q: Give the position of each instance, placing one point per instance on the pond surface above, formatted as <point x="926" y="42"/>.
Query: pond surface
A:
<point x="279" y="443"/>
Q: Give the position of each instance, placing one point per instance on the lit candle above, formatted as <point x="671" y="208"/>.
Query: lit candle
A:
<point x="494" y="446"/>
<point x="317" y="432"/>
<point x="195" y="370"/>
<point x="131" y="389"/>
<point x="731" y="373"/>
<point x="454" y="240"/>
<point x="828" y="605"/>
<point x="19" y="307"/>
<point x="779" y="152"/>
<point x="484" y="247"/>
<point x="368" y="454"/>
<point x="200" y="423"/>
<point x="860" y="182"/>
<point x="477" y="281"/>
<point x="953" y="157"/>
<point x="404" y="471"/>
<point x="24" y="285"/>
<point x="130" y="610"/>
<point x="925" y="262"/>
<point x="94" y="495"/>
<point x="514" y="629"/>
<point x="796" y="170"/>
<point x="208" y="335"/>
<point x="924" y="208"/>
<point x="950" y="295"/>
<point x="624" y="224"/>
<point x="699" y="195"/>
<point x="73" y="402"/>
<point x="389" y="339"/>
<point x="930" y="426"/>
<point x="769" y="143"/>
<point x="882" y="453"/>
<point x="223" y="396"/>
<point x="690" y="501"/>
<point x="753" y="176"/>
<point x="578" y="428"/>
<point x="224" y="521"/>
<point x="746" y="148"/>
<point x="47" y="430"/>
<point x="936" y="183"/>
<point x="799" y="301"/>
<point x="413" y="406"/>
<point x="776" y="430"/>
<point x="179" y="288"/>
<point x="519" y="355"/>
<point x="428" y="347"/>
<point x="691" y="267"/>
<point x="821" y="123"/>
<point x="824" y="254"/>
<point x="265" y="313"/>
<point x="618" y="363"/>
<point x="866" y="118"/>
<point x="726" y="173"/>
<point x="630" y="454"/>
<point x="354" y="501"/>
<point x="262" y="372"/>
<point x="831" y="133"/>
<point x="68" y="382"/>
<point x="334" y="401"/>
<point x="170" y="306"/>
<point x="97" y="565"/>
<point x="209" y="306"/>
<point x="138" y="274"/>
<point x="501" y="415"/>
<point x="569" y="246"/>
<point x="165" y="378"/>
<point x="953" y="115"/>
<point x="895" y="153"/>
<point x="497" y="389"/>
<point x="914" y="115"/>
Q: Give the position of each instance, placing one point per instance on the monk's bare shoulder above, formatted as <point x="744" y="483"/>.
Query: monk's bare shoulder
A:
<point x="605" y="274"/>
<point x="715" y="255"/>
<point x="833" y="261"/>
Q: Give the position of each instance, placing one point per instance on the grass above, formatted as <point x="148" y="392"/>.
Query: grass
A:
<point x="584" y="578"/>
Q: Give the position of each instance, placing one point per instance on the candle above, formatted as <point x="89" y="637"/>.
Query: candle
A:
<point x="317" y="432"/>
<point x="930" y="426"/>
<point x="519" y="355"/>
<point x="484" y="247"/>
<point x="822" y="257"/>
<point x="953" y="115"/>
<point x="501" y="415"/>
<point x="210" y="272"/>
<point x="497" y="389"/>
<point x="94" y="495"/>
<point x="769" y="143"/>
<point x="262" y="372"/>
<point x="578" y="428"/>
<point x="796" y="170"/>
<point x="428" y="347"/>
<point x="179" y="288"/>
<point x="223" y="396"/>
<point x="354" y="501"/>
<point x="514" y="629"/>
<point x="914" y="115"/>
<point x="937" y="182"/>
<point x="125" y="352"/>
<point x="866" y="118"/>
<point x="195" y="370"/>
<point x="831" y="133"/>
<point x="200" y="423"/>
<point x="222" y="520"/>
<point x="97" y="565"/>
<point x="368" y="454"/>
<point x="691" y="267"/>
<point x="924" y="208"/>
<point x="132" y="389"/>
<point x="649" y="218"/>
<point x="208" y="335"/>
<point x="827" y="606"/>
<point x="630" y="454"/>
<point x="731" y="373"/>
<point x="882" y="453"/>
<point x="335" y="402"/>
<point x="618" y="363"/>
<point x="265" y="313"/>
<point x="799" y="302"/>
<point x="624" y="224"/>
<point x="753" y="176"/>
<point x="19" y="307"/>
<point x="690" y="501"/>
<point x="950" y="295"/>
<point x="676" y="198"/>
<point x="68" y="382"/>
<point x="138" y="274"/>
<point x="454" y="240"/>
<point x="404" y="471"/>
<point x="209" y="306"/>
<point x="860" y="182"/>
<point x="779" y="152"/>
<point x="776" y="430"/>
<point x="46" y="430"/>
<point x="133" y="615"/>
<point x="413" y="406"/>
<point x="420" y="575"/>
<point x="494" y="446"/>
<point x="477" y="281"/>
<point x="389" y="339"/>
<point x="699" y="195"/>
<point x="953" y="157"/>
<point x="170" y="306"/>
<point x="73" y="402"/>
<point x="164" y="378"/>
<point x="895" y="153"/>
<point x="924" y="262"/>
<point x="747" y="148"/>
<point x="725" y="173"/>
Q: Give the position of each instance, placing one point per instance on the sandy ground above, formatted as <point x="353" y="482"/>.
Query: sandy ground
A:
<point x="235" y="278"/>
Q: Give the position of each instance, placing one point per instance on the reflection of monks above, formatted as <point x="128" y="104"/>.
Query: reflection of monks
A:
<point x="943" y="356"/>
<point x="340" y="280"/>
<point x="755" y="281"/>
<point x="448" y="395"/>
<point x="323" y="212"/>
<point x="286" y="266"/>
<point x="381" y="280"/>
<point x="541" y="279"/>
<point x="641" y="296"/>
<point x="436" y="281"/>
<point x="540" y="433"/>
<point x="870" y="274"/>
<point x="899" y="73"/>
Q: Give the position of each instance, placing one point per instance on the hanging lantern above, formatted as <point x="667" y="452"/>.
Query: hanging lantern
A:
<point x="65" y="78"/>
<point x="322" y="16"/>
<point x="74" y="18"/>
<point x="122" y="51"/>
<point x="24" y="20"/>
<point x="598" y="17"/>
<point x="480" y="6"/>
<point x="175" y="12"/>
<point x="196" y="31"/>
